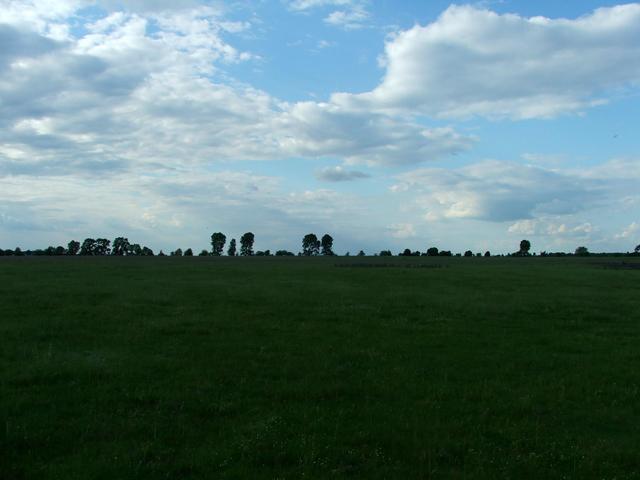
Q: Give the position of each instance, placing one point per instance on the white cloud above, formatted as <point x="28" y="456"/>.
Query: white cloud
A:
<point x="339" y="174"/>
<point x="350" y="19"/>
<point x="402" y="230"/>
<point x="302" y="5"/>
<point x="508" y="191"/>
<point x="350" y="15"/>
<point x="472" y="61"/>
<point x="632" y="231"/>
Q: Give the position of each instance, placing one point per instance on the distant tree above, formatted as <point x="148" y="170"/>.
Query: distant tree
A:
<point x="582" y="252"/>
<point x="347" y="254"/>
<point x="232" y="248"/>
<point x="405" y="253"/>
<point x="246" y="244"/>
<point x="525" y="246"/>
<point x="18" y="252"/>
<point x="59" y="250"/>
<point x="432" y="252"/>
<point x="203" y="253"/>
<point x="284" y="253"/>
<point x="444" y="253"/>
<point x="188" y="252"/>
<point x="310" y="245"/>
<point x="134" y="249"/>
<point x="265" y="253"/>
<point x="478" y="254"/>
<point x="1" y="252"/>
<point x="120" y="246"/>
<point x="327" y="244"/>
<point x="177" y="253"/>
<point x="468" y="253"/>
<point x="218" y="240"/>
<point x="102" y="246"/>
<point x="88" y="247"/>
<point x="385" y="253"/>
<point x="161" y="254"/>
<point x="73" y="247"/>
<point x="416" y="253"/>
<point x="147" y="252"/>
<point x="361" y="253"/>
<point x="637" y="249"/>
<point x="487" y="253"/>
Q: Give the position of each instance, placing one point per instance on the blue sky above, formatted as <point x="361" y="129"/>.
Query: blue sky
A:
<point x="387" y="124"/>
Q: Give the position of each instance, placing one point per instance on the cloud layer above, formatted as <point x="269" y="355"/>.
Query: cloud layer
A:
<point x="473" y="61"/>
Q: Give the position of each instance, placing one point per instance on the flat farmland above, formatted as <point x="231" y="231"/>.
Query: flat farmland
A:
<point x="341" y="367"/>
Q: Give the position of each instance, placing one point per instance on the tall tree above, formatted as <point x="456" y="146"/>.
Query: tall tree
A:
<point x="525" y="246"/>
<point x="73" y="247"/>
<point x="218" y="239"/>
<point x="232" y="248"/>
<point x="188" y="252"/>
<point x="88" y="247"/>
<point x="121" y="247"/>
<point x="134" y="249"/>
<point x="246" y="244"/>
<point x="310" y="245"/>
<point x="327" y="244"/>
<point x="102" y="246"/>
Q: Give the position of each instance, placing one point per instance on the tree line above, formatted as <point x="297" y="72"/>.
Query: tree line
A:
<point x="311" y="246"/>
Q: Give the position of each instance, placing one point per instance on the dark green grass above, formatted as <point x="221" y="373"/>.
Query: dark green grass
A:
<point x="319" y="368"/>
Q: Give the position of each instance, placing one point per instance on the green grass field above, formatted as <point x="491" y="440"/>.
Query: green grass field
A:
<point x="114" y="368"/>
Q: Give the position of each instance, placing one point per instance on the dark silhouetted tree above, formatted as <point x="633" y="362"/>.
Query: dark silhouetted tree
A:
<point x="525" y="246"/>
<point x="637" y="249"/>
<point x="432" y="252"/>
<point x="385" y="253"/>
<point x="147" y="252"/>
<point x="310" y="245"/>
<point x="203" y="253"/>
<point x="102" y="246"/>
<point x="120" y="246"/>
<point x="88" y="247"/>
<point x="327" y="244"/>
<point x="284" y="253"/>
<point x="468" y="253"/>
<point x="134" y="249"/>
<point x="177" y="253"/>
<point x="232" y="248"/>
<point x="161" y="254"/>
<point x="218" y="240"/>
<point x="246" y="244"/>
<point x="582" y="252"/>
<point x="444" y="253"/>
<point x="361" y="253"/>
<point x="73" y="247"/>
<point x="405" y="253"/>
<point x="18" y="252"/>
<point x="487" y="253"/>
<point x="188" y="252"/>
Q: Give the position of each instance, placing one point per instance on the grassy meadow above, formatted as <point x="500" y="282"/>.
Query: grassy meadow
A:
<point x="264" y="368"/>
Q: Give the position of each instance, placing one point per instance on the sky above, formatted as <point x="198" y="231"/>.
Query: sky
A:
<point x="386" y="124"/>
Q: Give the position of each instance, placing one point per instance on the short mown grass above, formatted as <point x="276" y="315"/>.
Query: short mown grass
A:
<point x="319" y="368"/>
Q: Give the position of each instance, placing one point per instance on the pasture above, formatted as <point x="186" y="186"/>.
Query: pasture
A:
<point x="262" y="368"/>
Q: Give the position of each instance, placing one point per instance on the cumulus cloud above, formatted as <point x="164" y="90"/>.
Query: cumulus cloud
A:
<point x="472" y="61"/>
<point x="507" y="191"/>
<point x="339" y="174"/>
<point x="138" y="91"/>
